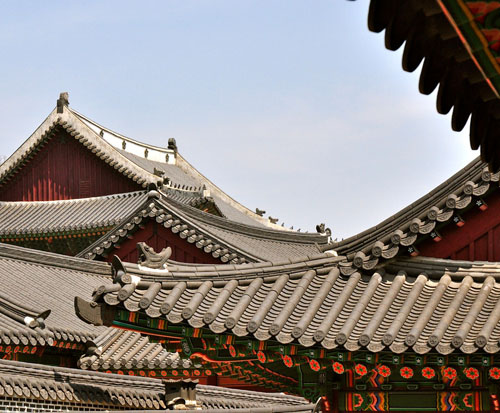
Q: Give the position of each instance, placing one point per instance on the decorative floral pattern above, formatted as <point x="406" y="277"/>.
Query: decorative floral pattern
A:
<point x="449" y="373"/>
<point x="384" y="371"/>
<point x="406" y="372"/>
<point x="314" y="364"/>
<point x="495" y="373"/>
<point x="287" y="360"/>
<point x="471" y="373"/>
<point x="428" y="373"/>
<point x="360" y="369"/>
<point x="261" y="356"/>
<point x="338" y="367"/>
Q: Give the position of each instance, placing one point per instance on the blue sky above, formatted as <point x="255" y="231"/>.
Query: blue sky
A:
<point x="290" y="106"/>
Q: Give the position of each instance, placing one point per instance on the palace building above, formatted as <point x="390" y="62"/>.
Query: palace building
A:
<point x="132" y="282"/>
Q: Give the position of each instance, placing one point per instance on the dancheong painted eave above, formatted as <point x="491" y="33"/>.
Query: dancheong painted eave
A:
<point x="454" y="308"/>
<point x="457" y="41"/>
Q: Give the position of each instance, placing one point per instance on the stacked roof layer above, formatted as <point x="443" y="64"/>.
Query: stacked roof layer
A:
<point x="142" y="163"/>
<point x="47" y="282"/>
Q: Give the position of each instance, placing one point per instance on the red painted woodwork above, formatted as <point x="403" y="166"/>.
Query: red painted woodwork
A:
<point x="478" y="239"/>
<point x="64" y="169"/>
<point x="158" y="237"/>
<point x="222" y="381"/>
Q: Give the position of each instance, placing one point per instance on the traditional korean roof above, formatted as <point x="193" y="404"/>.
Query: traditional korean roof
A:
<point x="423" y="304"/>
<point x="228" y="240"/>
<point x="39" y="383"/>
<point x="458" y="42"/>
<point x="48" y="281"/>
<point x="402" y="231"/>
<point x="142" y="163"/>
<point x="120" y="349"/>
<point x="18" y="218"/>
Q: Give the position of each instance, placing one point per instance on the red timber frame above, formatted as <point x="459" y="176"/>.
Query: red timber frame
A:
<point x="64" y="169"/>
<point x="475" y="237"/>
<point x="158" y="237"/>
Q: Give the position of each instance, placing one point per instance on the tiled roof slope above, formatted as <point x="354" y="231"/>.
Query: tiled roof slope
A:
<point x="228" y="240"/>
<point x="37" y="382"/>
<point x="180" y="173"/>
<point x="418" y="220"/>
<point x="119" y="349"/>
<point x="457" y="40"/>
<point x="49" y="281"/>
<point x="68" y="215"/>
<point x="454" y="307"/>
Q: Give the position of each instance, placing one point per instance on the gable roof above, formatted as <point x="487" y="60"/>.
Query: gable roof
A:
<point x="457" y="42"/>
<point x="144" y="164"/>
<point x="228" y="240"/>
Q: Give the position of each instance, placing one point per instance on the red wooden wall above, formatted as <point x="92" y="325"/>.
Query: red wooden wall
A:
<point x="158" y="237"/>
<point x="478" y="239"/>
<point x="64" y="169"/>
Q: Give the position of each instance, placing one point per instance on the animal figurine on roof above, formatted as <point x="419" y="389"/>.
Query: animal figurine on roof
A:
<point x="148" y="257"/>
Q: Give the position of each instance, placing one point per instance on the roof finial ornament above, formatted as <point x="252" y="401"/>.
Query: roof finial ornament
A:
<point x="260" y="212"/>
<point x="151" y="259"/>
<point x="172" y="144"/>
<point x="273" y="220"/>
<point x="62" y="101"/>
<point x="322" y="229"/>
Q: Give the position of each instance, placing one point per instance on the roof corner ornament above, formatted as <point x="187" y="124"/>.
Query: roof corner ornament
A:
<point x="62" y="101"/>
<point x="260" y="212"/>
<point x="322" y="229"/>
<point x="148" y="257"/>
<point x="273" y="220"/>
<point x="172" y="144"/>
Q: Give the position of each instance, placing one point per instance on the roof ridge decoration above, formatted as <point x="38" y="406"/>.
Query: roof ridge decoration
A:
<point x="401" y="231"/>
<point x="22" y="314"/>
<point x="149" y="258"/>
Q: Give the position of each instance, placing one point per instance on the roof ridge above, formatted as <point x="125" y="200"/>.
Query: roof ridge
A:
<point x="51" y="259"/>
<point x="246" y="228"/>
